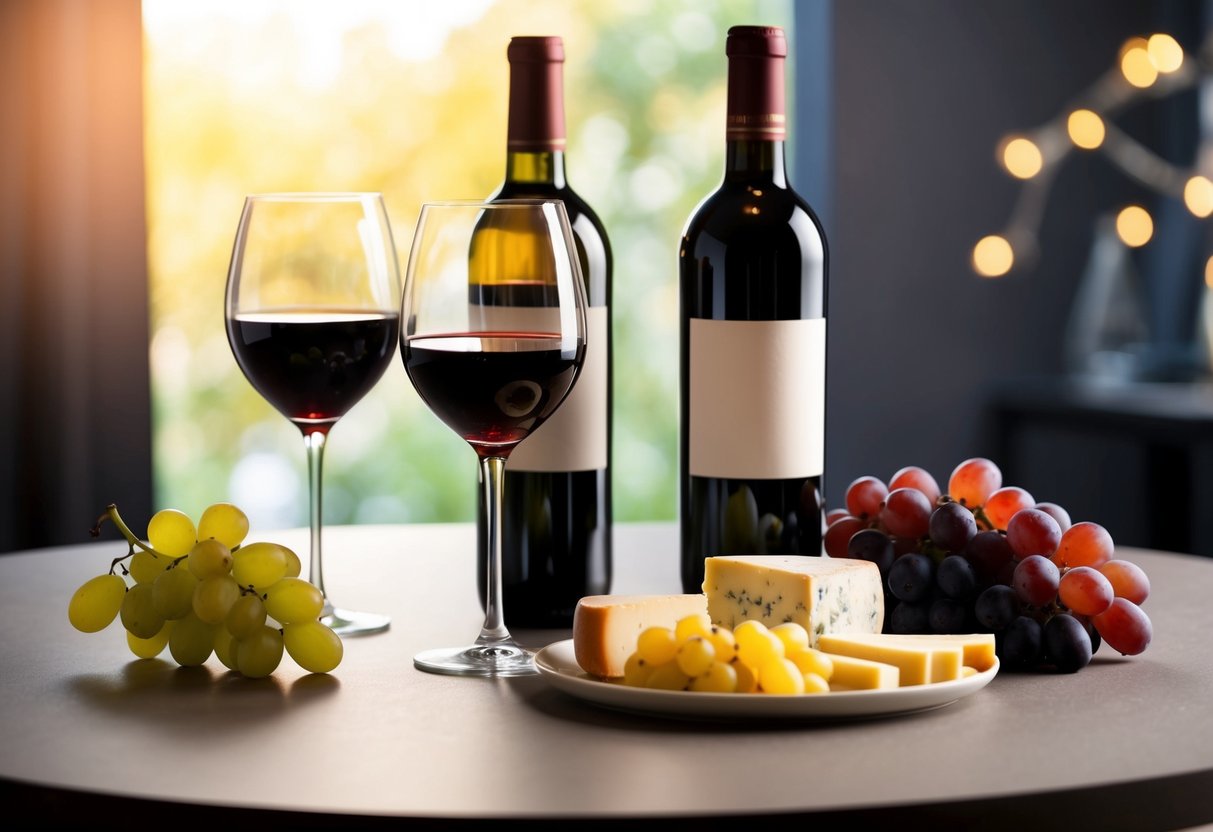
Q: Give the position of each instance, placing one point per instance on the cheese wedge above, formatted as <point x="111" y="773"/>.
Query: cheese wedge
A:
<point x="823" y="595"/>
<point x="978" y="648"/>
<point x="605" y="627"/>
<point x="862" y="674"/>
<point x="919" y="664"/>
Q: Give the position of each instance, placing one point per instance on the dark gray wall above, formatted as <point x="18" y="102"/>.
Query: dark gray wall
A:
<point x="922" y="91"/>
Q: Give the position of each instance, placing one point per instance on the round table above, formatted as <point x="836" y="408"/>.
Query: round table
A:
<point x="88" y="729"/>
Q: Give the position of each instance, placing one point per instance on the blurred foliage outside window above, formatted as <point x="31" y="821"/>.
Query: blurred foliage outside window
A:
<point x="410" y="99"/>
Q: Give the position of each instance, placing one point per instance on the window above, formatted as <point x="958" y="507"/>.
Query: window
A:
<point x="410" y="100"/>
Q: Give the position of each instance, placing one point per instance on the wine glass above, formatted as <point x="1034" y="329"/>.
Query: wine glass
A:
<point x="313" y="299"/>
<point x="493" y="338"/>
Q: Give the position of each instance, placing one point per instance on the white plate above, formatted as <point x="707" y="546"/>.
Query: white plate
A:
<point x="559" y="667"/>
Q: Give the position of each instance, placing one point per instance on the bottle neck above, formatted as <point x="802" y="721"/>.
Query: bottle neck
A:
<point x="750" y="159"/>
<point x="535" y="167"/>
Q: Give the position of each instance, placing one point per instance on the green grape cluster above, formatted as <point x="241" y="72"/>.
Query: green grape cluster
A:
<point x="200" y="590"/>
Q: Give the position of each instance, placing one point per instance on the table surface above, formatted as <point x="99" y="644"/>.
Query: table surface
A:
<point x="1124" y="743"/>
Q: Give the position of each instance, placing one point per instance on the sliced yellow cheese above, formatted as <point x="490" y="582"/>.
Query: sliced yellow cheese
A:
<point x="862" y="674"/>
<point x="919" y="665"/>
<point x="605" y="627"/>
<point x="978" y="648"/>
<point x="823" y="595"/>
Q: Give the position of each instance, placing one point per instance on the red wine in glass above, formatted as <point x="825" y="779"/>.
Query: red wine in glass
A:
<point x="492" y="388"/>
<point x="313" y="365"/>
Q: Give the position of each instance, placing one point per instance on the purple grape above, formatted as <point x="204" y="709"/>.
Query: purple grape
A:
<point x="955" y="577"/>
<point x="952" y="526"/>
<point x="997" y="607"/>
<point x="872" y="545"/>
<point x="1066" y="643"/>
<point x="911" y="577"/>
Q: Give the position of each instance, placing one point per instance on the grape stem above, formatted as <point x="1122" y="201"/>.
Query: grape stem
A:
<point x="111" y="514"/>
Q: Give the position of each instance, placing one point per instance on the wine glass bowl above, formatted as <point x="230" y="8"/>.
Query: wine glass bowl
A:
<point x="312" y="316"/>
<point x="493" y="339"/>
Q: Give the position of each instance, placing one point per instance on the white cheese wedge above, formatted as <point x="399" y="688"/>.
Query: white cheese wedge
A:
<point x="605" y="627"/>
<point x="862" y="674"/>
<point x="979" y="648"/>
<point x="823" y="595"/>
<point x="920" y="663"/>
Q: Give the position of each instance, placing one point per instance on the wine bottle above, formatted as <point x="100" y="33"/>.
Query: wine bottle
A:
<point x="556" y="523"/>
<point x="752" y="269"/>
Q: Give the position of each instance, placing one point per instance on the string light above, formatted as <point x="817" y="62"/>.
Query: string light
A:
<point x="1134" y="226"/>
<point x="993" y="256"/>
<point x="1086" y="129"/>
<point x="1022" y="158"/>
<point x="1165" y="52"/>
<point x="1198" y="196"/>
<point x="1145" y="67"/>
<point x="1137" y="66"/>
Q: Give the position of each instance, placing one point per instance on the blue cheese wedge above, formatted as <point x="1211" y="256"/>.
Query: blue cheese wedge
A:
<point x="823" y="595"/>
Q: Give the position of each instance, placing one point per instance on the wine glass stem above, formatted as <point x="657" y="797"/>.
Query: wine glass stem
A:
<point x="314" y="442"/>
<point x="492" y="470"/>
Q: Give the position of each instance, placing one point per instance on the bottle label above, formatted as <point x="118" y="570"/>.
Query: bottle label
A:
<point x="574" y="438"/>
<point x="757" y="399"/>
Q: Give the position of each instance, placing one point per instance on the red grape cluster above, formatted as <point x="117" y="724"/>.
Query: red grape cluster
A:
<point x="984" y="557"/>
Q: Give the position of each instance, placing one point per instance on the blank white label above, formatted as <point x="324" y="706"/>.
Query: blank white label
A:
<point x="574" y="438"/>
<point x="757" y="399"/>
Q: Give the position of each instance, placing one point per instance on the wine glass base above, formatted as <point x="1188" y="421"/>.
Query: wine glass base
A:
<point x="502" y="659"/>
<point x="350" y="623"/>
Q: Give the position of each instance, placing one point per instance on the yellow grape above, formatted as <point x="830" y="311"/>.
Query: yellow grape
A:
<point x="657" y="645"/>
<point x="95" y="605"/>
<point x="225" y="523"/>
<point x="191" y="641"/>
<point x="171" y="532"/>
<point x="225" y="648"/>
<point x="260" y="654"/>
<point x="778" y="675"/>
<point x="146" y="567"/>
<point x="173" y="592"/>
<point x="719" y="678"/>
<point x="724" y="642"/>
<point x="815" y="683"/>
<point x="808" y="660"/>
<point x="695" y="656"/>
<point x="757" y="645"/>
<point x="259" y="565"/>
<point x="246" y="616"/>
<point x="747" y="679"/>
<point x="636" y="671"/>
<point x="138" y="612"/>
<point x="668" y="677"/>
<point x="313" y="646"/>
<point x="293" y="567"/>
<point x="214" y="597"/>
<point x="793" y="636"/>
<point x="692" y="625"/>
<point x="209" y="558"/>
<point x="149" y="648"/>
<point x="293" y="601"/>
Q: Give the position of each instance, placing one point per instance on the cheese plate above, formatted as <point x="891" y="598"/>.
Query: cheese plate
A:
<point x="559" y="667"/>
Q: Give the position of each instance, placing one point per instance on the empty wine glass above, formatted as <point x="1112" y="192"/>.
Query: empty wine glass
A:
<point x="313" y="318"/>
<point x="493" y="339"/>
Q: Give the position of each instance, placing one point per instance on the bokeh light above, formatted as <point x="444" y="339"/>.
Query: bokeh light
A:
<point x="1022" y="158"/>
<point x="1134" y="226"/>
<point x="1136" y="64"/>
<point x="1086" y="129"/>
<point x="1165" y="52"/>
<point x="1198" y="196"/>
<point x="993" y="256"/>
